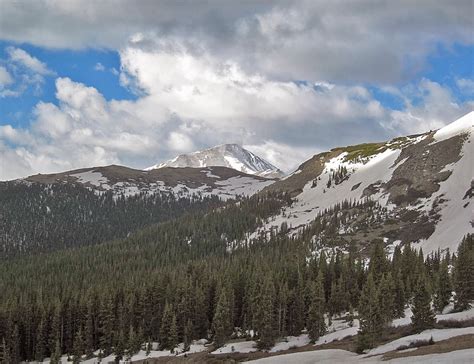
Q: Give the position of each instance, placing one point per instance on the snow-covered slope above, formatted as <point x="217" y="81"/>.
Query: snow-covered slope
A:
<point x="223" y="182"/>
<point x="226" y="155"/>
<point x="423" y="184"/>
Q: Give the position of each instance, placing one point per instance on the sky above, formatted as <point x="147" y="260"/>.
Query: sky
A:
<point x="86" y="83"/>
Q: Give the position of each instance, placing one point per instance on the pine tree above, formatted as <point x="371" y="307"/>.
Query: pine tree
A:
<point x="399" y="298"/>
<point x="188" y="332"/>
<point x="316" y="323"/>
<point x="378" y="264"/>
<point x="119" y="349"/>
<point x="265" y="316"/>
<point x="134" y="343"/>
<point x="173" y="338"/>
<point x="296" y="309"/>
<point x="464" y="274"/>
<point x="14" y="351"/>
<point x="4" y="353"/>
<point x="40" y="346"/>
<point x="78" y="347"/>
<point x="165" y="330"/>
<point x="423" y="316"/>
<point x="56" y="328"/>
<point x="443" y="287"/>
<point x="106" y="325"/>
<point x="370" y="317"/>
<point x="387" y="298"/>
<point x="221" y="324"/>
<point x="89" y="332"/>
<point x="56" y="354"/>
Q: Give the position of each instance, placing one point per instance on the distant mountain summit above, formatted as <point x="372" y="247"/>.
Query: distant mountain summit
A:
<point x="225" y="155"/>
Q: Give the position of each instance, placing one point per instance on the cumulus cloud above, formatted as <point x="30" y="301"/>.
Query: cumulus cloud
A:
<point x="21" y="72"/>
<point x="5" y="77"/>
<point x="99" y="67"/>
<point x="466" y="85"/>
<point x="22" y="57"/>
<point x="348" y="41"/>
<point x="190" y="99"/>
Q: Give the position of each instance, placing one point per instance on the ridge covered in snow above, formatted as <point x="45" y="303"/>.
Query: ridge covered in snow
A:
<point x="427" y="178"/>
<point x="226" y="155"/>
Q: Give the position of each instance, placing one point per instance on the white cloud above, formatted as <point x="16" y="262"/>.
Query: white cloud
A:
<point x="466" y="85"/>
<point x="5" y="77"/>
<point x="348" y="41"/>
<point x="99" y="67"/>
<point x="191" y="100"/>
<point x="20" y="56"/>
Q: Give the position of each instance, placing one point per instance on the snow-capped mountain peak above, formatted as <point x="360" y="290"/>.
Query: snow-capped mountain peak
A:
<point x="226" y="155"/>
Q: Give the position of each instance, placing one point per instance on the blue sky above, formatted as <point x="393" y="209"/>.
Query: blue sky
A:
<point x="79" y="65"/>
<point x="135" y="83"/>
<point x="99" y="69"/>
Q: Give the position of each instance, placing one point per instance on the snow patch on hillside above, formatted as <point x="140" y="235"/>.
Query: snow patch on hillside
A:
<point x="464" y="124"/>
<point x="313" y="200"/>
<point x="457" y="212"/>
<point x="91" y="177"/>
<point x="436" y="334"/>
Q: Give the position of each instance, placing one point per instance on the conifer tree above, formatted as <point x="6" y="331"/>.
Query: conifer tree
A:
<point x="399" y="297"/>
<point x="89" y="332"/>
<point x="78" y="347"/>
<point x="56" y="329"/>
<point x="119" y="349"/>
<point x="14" y="351"/>
<point x="443" y="287"/>
<point x="173" y="338"/>
<point x="221" y="324"/>
<point x="40" y="345"/>
<point x="464" y="273"/>
<point x="134" y="342"/>
<point x="106" y="325"/>
<point x="370" y="317"/>
<point x="296" y="309"/>
<point x="387" y="298"/>
<point x="188" y="332"/>
<point x="316" y="323"/>
<point x="56" y="354"/>
<point x="265" y="315"/>
<point x="423" y="316"/>
<point x="166" y="328"/>
<point x="378" y="264"/>
<point x="4" y="353"/>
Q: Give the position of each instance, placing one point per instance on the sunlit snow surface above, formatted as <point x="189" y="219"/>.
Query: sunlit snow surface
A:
<point x="225" y="189"/>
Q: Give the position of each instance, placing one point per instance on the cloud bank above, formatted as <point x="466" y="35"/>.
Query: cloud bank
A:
<point x="207" y="74"/>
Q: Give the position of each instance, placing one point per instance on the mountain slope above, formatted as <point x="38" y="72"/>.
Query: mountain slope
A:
<point x="222" y="182"/>
<point x="225" y="155"/>
<point x="93" y="205"/>
<point x="423" y="185"/>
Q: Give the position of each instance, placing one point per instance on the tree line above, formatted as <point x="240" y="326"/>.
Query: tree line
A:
<point x="178" y="281"/>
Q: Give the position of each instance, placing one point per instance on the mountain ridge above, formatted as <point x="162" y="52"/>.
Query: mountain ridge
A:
<point x="425" y="179"/>
<point x="224" y="155"/>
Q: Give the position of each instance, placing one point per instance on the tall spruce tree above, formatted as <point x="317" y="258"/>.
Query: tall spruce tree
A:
<point x="370" y="316"/>
<point x="399" y="297"/>
<point x="78" y="347"/>
<point x="56" y="354"/>
<point x="166" y="328"/>
<point x="423" y="316"/>
<point x="316" y="322"/>
<point x="265" y="315"/>
<point x="387" y="298"/>
<point x="221" y="323"/>
<point x="443" y="287"/>
<point x="464" y="274"/>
